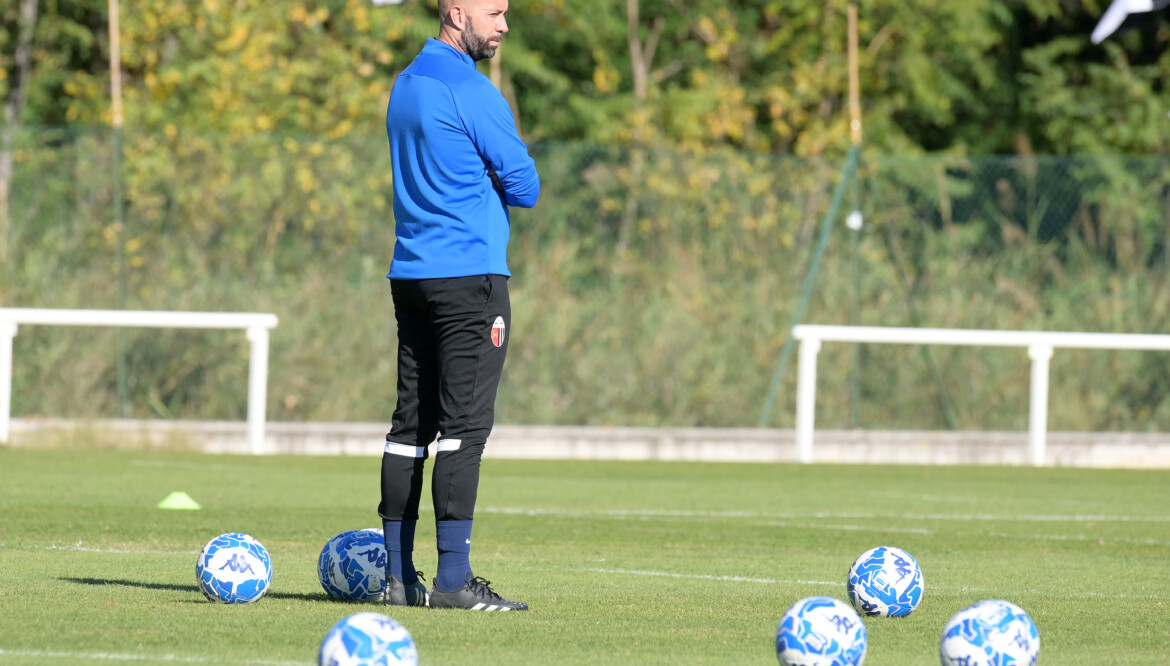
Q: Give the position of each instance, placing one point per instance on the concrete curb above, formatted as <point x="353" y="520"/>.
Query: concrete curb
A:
<point x="1065" y="449"/>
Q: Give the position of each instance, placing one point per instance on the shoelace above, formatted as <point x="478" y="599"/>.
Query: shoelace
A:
<point x="480" y="588"/>
<point x="420" y="576"/>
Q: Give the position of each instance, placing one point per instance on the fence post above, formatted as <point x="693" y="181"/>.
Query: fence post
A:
<point x="806" y="398"/>
<point x="257" y="387"/>
<point x="7" y="333"/>
<point x="810" y="279"/>
<point x="1038" y="410"/>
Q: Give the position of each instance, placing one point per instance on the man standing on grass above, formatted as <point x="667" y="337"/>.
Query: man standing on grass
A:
<point x="458" y="165"/>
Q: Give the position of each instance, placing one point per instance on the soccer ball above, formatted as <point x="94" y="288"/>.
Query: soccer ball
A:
<point x="234" y="568"/>
<point x="367" y="639"/>
<point x="820" y="631"/>
<point x="990" y="633"/>
<point x="327" y="564"/>
<point x="885" y="582"/>
<point x="352" y="565"/>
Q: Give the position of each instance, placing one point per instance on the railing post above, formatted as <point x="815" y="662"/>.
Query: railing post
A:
<point x="1038" y="407"/>
<point x="7" y="333"/>
<point x="806" y="398"/>
<point x="257" y="387"/>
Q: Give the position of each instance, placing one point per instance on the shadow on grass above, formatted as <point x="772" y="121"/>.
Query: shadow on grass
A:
<point x="194" y="588"/>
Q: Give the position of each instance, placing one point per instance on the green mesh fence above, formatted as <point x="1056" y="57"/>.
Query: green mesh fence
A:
<point x="650" y="287"/>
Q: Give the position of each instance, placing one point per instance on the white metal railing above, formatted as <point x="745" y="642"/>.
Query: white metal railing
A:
<point x="257" y="325"/>
<point x="1040" y="345"/>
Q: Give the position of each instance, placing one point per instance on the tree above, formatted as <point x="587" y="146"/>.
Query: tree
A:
<point x="14" y="102"/>
<point x="763" y="75"/>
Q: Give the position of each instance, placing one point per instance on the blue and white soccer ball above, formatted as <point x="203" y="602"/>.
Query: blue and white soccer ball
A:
<point x="885" y="582"/>
<point x="352" y="565"/>
<point x="367" y="639"/>
<point x="990" y="633"/>
<point x="234" y="568"/>
<point x="820" y="631"/>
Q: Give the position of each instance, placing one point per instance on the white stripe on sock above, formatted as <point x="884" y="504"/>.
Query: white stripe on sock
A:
<point x="448" y="445"/>
<point x="404" y="450"/>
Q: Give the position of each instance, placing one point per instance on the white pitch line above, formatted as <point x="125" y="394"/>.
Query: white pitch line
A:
<point x="78" y="548"/>
<point x="734" y="579"/>
<point x="114" y="656"/>
<point x="219" y="467"/>
<point x="852" y="528"/>
<point x="621" y="514"/>
<point x="938" y="499"/>
<point x="667" y="513"/>
<point x="1078" y="537"/>
<point x="841" y="583"/>
<point x="926" y="532"/>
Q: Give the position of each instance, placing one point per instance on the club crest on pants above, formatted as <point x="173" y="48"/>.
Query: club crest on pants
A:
<point x="498" y="332"/>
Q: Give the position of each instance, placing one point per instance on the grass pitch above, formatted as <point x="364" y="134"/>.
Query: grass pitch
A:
<point x="622" y="563"/>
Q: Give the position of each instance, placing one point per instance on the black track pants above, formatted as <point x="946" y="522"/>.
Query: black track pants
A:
<point x="452" y="339"/>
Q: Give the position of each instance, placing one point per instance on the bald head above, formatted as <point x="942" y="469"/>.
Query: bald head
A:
<point x="475" y="27"/>
<point x="467" y="6"/>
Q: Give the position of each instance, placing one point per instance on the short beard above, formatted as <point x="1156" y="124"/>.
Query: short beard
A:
<point x="475" y="46"/>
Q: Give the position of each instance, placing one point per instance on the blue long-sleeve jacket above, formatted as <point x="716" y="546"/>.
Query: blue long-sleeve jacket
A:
<point x="449" y="130"/>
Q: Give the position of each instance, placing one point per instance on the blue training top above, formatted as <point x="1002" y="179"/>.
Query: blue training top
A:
<point x="449" y="130"/>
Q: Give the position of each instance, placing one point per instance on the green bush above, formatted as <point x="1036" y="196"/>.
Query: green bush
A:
<point x="650" y="287"/>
